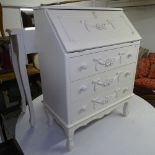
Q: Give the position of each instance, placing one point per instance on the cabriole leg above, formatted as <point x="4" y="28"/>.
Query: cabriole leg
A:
<point x="48" y="116"/>
<point x="70" y="141"/>
<point x="125" y="109"/>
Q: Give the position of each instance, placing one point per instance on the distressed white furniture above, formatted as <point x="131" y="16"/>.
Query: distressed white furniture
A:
<point x="87" y="63"/>
<point x="23" y="42"/>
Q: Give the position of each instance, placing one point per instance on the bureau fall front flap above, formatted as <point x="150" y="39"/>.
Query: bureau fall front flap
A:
<point x="86" y="29"/>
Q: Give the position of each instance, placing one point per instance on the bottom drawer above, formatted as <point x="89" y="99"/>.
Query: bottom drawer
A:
<point x="81" y="109"/>
<point x="103" y="101"/>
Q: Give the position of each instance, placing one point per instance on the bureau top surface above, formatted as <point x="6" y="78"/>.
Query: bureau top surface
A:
<point x="85" y="28"/>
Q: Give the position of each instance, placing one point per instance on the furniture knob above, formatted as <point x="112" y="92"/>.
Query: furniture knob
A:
<point x="127" y="74"/>
<point x="83" y="88"/>
<point x="83" y="66"/>
<point x="83" y="109"/>
<point x="129" y="56"/>
<point x="125" y="90"/>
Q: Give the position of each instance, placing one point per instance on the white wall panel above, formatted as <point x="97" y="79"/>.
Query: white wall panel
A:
<point x="143" y="18"/>
<point x="32" y="3"/>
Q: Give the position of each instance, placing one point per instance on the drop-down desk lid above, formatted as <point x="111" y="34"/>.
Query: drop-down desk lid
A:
<point x="80" y="29"/>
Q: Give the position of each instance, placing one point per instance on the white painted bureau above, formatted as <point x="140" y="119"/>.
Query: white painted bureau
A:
<point x="88" y="60"/>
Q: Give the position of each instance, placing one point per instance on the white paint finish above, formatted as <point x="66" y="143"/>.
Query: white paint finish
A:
<point x="79" y="110"/>
<point x="75" y="27"/>
<point x="14" y="58"/>
<point x="30" y="42"/>
<point x="109" y="100"/>
<point x="22" y="43"/>
<point x="102" y="82"/>
<point x="101" y="60"/>
<point x="52" y="65"/>
<point x="113" y="135"/>
<point x="90" y="108"/>
<point x="143" y="18"/>
<point x="125" y="108"/>
<point x="106" y="48"/>
<point x="57" y="67"/>
<point x="11" y="18"/>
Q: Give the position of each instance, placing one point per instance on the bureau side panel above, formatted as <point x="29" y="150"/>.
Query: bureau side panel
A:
<point x="52" y="66"/>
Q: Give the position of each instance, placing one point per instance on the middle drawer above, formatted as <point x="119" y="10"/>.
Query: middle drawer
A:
<point x="101" y="82"/>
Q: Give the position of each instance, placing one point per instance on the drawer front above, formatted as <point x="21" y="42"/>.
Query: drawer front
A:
<point x="80" y="109"/>
<point x="101" y="61"/>
<point x="83" y="108"/>
<point x="123" y="76"/>
<point x="102" y="101"/>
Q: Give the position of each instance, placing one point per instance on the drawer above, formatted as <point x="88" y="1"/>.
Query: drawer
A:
<point x="80" y="110"/>
<point x="101" y="82"/>
<point x="105" y="100"/>
<point x="101" y="61"/>
<point x="83" y="108"/>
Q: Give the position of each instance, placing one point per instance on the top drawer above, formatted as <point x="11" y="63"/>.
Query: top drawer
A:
<point x="101" y="60"/>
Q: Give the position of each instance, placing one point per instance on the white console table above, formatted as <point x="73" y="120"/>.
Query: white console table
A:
<point x="23" y="42"/>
